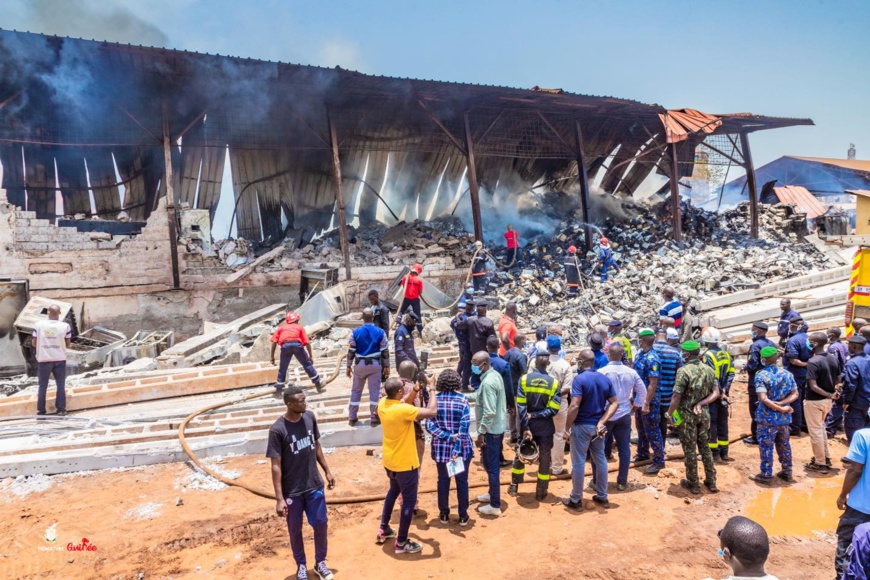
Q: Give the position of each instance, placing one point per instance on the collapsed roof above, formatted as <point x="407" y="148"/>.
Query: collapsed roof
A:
<point x="86" y="117"/>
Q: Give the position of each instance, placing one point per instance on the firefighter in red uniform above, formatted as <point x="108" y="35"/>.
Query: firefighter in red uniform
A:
<point x="293" y="341"/>
<point x="413" y="285"/>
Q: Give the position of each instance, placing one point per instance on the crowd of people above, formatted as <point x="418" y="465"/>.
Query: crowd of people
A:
<point x="543" y="403"/>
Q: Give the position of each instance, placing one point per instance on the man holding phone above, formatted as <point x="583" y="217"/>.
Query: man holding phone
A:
<point x="294" y="448"/>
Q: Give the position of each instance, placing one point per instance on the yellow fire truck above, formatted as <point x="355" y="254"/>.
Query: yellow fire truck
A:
<point x="858" y="305"/>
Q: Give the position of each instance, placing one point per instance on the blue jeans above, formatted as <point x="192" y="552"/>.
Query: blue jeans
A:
<point x="43" y="371"/>
<point x="406" y="484"/>
<point x="582" y="444"/>
<point x="294" y="349"/>
<point x="621" y="429"/>
<point x="489" y="456"/>
<point x="444" y="490"/>
<point x="313" y="503"/>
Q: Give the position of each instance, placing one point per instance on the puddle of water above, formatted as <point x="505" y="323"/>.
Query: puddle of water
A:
<point x="791" y="512"/>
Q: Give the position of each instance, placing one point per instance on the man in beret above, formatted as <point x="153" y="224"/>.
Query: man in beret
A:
<point x="777" y="390"/>
<point x="694" y="389"/>
<point x="648" y="417"/>
<point x="856" y="386"/>
<point x="759" y="341"/>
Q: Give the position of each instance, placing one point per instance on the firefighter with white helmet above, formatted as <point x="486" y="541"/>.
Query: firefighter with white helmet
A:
<point x="722" y="364"/>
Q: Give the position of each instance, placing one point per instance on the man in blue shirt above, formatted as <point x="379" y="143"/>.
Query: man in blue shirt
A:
<point x="403" y="341"/>
<point x="605" y="256"/>
<point x="518" y="364"/>
<point x="776" y="392"/>
<point x="368" y="360"/>
<point x="670" y="361"/>
<point x="593" y="403"/>
<point x="596" y="343"/>
<point x="856" y="387"/>
<point x="797" y="354"/>
<point x="854" y="497"/>
<point x="648" y="418"/>
<point x="753" y="365"/>
<point x="785" y="319"/>
<point x="502" y="367"/>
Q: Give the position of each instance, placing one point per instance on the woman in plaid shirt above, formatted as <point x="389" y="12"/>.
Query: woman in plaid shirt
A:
<point x="450" y="439"/>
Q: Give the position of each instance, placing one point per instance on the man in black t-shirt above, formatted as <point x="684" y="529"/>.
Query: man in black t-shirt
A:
<point x="823" y="374"/>
<point x="294" y="448"/>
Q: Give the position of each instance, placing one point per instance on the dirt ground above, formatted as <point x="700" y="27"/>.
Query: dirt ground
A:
<point x="653" y="530"/>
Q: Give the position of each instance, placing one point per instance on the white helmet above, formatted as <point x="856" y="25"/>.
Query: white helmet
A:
<point x="711" y="335"/>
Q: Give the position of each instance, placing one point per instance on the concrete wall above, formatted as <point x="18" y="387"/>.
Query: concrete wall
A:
<point x="126" y="283"/>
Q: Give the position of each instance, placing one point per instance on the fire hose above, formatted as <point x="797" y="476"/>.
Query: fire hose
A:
<point x="362" y="498"/>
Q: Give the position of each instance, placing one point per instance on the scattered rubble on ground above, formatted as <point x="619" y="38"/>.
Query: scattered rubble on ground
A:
<point x="24" y="485"/>
<point x="718" y="256"/>
<point x="147" y="511"/>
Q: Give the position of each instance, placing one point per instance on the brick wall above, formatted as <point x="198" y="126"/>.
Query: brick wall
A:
<point x="59" y="259"/>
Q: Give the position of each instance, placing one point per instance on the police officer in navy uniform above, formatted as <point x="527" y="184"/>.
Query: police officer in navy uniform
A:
<point x="403" y="340"/>
<point x="368" y="361"/>
<point x="460" y="329"/>
<point x="753" y="365"/>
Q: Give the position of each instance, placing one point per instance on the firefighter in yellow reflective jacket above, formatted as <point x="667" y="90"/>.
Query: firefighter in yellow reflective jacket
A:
<point x="538" y="401"/>
<point x="720" y="361"/>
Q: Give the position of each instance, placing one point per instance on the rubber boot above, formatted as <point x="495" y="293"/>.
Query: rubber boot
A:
<point x="723" y="454"/>
<point x="716" y="455"/>
<point x="542" y="489"/>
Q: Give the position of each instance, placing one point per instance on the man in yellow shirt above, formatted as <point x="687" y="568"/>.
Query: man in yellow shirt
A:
<point x="401" y="461"/>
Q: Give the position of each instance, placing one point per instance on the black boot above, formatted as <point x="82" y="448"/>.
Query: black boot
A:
<point x="723" y="454"/>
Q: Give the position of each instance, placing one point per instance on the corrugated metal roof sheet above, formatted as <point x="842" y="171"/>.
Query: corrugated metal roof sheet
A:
<point x="851" y="164"/>
<point x="802" y="199"/>
<point x="861" y="192"/>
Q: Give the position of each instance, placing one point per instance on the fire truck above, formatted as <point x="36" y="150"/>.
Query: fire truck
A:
<point x="858" y="305"/>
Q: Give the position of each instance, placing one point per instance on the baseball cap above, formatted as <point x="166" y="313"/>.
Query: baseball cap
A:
<point x="554" y="343"/>
<point x="672" y="333"/>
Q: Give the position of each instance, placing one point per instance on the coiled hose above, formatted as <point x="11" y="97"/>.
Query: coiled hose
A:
<point x="353" y="499"/>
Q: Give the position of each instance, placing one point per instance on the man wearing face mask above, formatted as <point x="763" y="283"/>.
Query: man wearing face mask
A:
<point x="759" y="341"/>
<point x="491" y="414"/>
<point x="797" y="354"/>
<point x="776" y="393"/>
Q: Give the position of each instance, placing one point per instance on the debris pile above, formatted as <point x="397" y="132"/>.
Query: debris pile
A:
<point x="718" y="257"/>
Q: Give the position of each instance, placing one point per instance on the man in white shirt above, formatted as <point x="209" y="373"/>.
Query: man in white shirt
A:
<point x="631" y="394"/>
<point x="561" y="370"/>
<point x="51" y="338"/>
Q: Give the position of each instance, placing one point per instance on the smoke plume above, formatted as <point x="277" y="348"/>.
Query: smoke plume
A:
<point x="92" y="20"/>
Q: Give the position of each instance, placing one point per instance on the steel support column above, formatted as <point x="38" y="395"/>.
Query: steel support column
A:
<point x="170" y="203"/>
<point x="339" y="198"/>
<point x="472" y="181"/>
<point x="584" y="185"/>
<point x="676" y="210"/>
<point x="753" y="187"/>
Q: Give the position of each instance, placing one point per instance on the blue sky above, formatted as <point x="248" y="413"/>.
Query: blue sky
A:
<point x="794" y="59"/>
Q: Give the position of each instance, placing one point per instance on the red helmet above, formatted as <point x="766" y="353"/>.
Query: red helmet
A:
<point x="291" y="317"/>
<point x="604" y="241"/>
<point x="572" y="250"/>
<point x="417" y="268"/>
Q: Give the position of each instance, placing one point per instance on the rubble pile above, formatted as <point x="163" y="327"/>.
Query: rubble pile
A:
<point x="379" y="245"/>
<point x="717" y="257"/>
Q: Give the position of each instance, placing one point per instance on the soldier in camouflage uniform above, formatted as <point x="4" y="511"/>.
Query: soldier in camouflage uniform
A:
<point x="695" y="388"/>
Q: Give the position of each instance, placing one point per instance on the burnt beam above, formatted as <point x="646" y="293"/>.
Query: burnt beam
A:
<point x="170" y="203"/>
<point x="676" y="212"/>
<point x="750" y="181"/>
<point x="339" y="197"/>
<point x="472" y="181"/>
<point x="584" y="184"/>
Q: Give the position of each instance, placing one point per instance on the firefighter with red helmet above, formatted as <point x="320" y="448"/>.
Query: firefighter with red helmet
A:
<point x="293" y="341"/>
<point x="572" y="272"/>
<point x="413" y="285"/>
